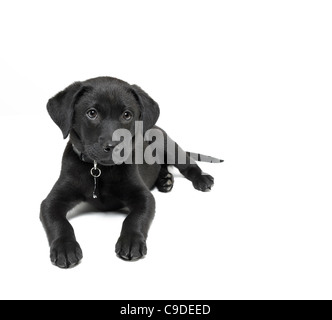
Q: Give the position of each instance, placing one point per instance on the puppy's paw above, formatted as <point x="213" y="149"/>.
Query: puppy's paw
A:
<point x="165" y="183"/>
<point x="65" y="253"/>
<point x="131" y="246"/>
<point x="203" y="182"/>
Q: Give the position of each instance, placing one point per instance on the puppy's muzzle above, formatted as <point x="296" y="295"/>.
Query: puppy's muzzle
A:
<point x="108" y="148"/>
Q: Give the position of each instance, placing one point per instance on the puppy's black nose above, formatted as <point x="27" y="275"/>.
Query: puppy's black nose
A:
<point x="108" y="148"/>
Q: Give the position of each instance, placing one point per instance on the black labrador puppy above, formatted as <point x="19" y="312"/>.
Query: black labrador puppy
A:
<point x="106" y="163"/>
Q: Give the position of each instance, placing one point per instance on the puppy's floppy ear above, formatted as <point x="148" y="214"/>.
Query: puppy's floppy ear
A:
<point x="149" y="108"/>
<point x="61" y="107"/>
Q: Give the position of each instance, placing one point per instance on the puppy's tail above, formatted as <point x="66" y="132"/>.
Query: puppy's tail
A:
<point x="203" y="158"/>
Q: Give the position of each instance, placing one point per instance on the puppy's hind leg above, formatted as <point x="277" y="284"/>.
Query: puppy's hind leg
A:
<point x="173" y="154"/>
<point x="165" y="180"/>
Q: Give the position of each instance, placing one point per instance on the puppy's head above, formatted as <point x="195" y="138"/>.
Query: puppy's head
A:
<point x="91" y="111"/>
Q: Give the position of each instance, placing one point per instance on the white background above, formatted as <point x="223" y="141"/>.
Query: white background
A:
<point x="247" y="81"/>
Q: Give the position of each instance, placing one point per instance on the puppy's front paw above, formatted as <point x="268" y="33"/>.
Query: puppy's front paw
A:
<point x="65" y="253"/>
<point x="131" y="246"/>
<point x="203" y="182"/>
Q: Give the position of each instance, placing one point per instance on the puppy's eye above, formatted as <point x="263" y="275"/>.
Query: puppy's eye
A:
<point x="127" y="115"/>
<point x="92" y="114"/>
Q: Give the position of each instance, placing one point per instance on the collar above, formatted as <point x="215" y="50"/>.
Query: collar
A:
<point x="80" y="154"/>
<point x="95" y="171"/>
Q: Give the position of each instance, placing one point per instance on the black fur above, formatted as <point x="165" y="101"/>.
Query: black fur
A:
<point x="119" y="186"/>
